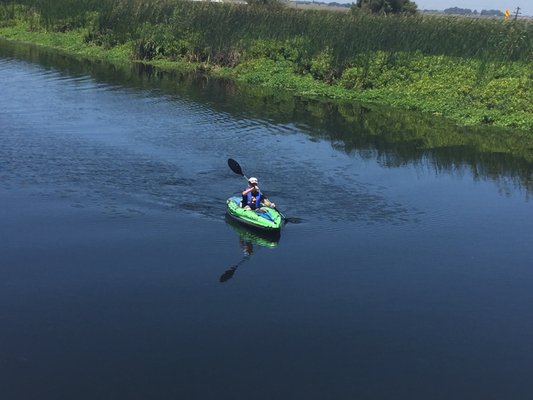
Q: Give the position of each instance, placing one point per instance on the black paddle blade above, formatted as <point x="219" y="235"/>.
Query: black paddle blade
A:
<point x="228" y="274"/>
<point x="235" y="167"/>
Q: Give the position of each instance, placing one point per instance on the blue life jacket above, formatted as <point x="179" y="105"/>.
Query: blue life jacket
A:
<point x="257" y="200"/>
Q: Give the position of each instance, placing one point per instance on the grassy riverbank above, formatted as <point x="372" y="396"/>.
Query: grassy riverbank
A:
<point x="485" y="79"/>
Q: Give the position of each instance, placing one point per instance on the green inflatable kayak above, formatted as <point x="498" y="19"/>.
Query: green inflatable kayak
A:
<point x="266" y="219"/>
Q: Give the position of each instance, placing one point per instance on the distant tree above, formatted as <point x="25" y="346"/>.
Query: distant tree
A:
<point x="385" y="6"/>
<point x="458" y="11"/>
<point x="266" y="3"/>
<point x="491" y="13"/>
<point x="335" y="4"/>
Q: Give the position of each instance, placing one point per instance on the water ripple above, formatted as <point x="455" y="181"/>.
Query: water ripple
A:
<point x="129" y="151"/>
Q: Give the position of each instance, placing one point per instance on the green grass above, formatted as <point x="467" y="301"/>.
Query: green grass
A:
<point x="503" y="98"/>
<point x="71" y="42"/>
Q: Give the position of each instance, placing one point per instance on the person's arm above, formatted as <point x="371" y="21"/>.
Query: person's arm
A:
<point x="268" y="203"/>
<point x="246" y="191"/>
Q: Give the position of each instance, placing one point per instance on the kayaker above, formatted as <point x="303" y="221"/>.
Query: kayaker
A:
<point x="252" y="198"/>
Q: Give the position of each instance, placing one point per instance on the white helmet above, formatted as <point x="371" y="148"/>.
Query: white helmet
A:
<point x="253" y="181"/>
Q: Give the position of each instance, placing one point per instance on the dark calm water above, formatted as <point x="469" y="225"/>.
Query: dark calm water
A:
<point x="406" y="272"/>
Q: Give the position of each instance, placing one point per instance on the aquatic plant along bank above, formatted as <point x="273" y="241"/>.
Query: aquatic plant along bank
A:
<point x="471" y="71"/>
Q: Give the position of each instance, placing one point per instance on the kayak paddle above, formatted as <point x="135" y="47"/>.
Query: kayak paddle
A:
<point x="235" y="167"/>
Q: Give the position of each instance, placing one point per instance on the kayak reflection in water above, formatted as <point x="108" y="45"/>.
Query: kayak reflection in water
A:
<point x="247" y="240"/>
<point x="247" y="247"/>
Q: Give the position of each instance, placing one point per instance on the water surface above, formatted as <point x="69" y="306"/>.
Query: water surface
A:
<point x="406" y="272"/>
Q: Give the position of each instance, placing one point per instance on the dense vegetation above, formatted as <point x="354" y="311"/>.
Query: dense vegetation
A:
<point x="386" y="6"/>
<point x="475" y="71"/>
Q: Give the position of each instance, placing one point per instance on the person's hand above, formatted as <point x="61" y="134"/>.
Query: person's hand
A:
<point x="272" y="205"/>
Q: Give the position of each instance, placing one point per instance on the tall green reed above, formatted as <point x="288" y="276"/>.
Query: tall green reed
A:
<point x="214" y="28"/>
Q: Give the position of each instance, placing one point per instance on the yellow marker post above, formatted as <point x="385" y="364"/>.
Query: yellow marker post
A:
<point x="506" y="14"/>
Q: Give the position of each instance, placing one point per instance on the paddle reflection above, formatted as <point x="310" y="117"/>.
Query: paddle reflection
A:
<point x="248" y="238"/>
